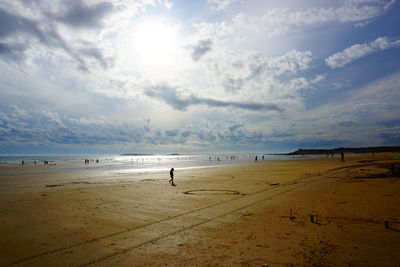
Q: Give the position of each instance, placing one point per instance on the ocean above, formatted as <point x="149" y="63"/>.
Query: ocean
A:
<point x="136" y="163"/>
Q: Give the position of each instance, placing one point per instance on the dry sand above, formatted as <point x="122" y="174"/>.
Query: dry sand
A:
<point x="97" y="217"/>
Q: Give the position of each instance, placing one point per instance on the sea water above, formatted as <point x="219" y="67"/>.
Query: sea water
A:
<point x="135" y="163"/>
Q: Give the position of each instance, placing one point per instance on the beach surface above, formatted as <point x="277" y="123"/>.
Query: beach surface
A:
<point x="305" y="212"/>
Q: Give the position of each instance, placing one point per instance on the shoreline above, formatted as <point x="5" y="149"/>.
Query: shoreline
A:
<point x="135" y="167"/>
<point x="102" y="218"/>
<point x="113" y="160"/>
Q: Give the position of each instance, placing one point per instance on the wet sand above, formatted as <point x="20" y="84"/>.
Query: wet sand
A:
<point x="237" y="215"/>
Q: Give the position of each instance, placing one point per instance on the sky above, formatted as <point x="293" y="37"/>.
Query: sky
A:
<point x="177" y="76"/>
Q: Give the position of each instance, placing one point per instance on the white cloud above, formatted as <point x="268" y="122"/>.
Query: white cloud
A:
<point x="361" y="24"/>
<point x="280" y="21"/>
<point x="318" y="78"/>
<point x="357" y="51"/>
<point x="229" y="79"/>
<point x="221" y="4"/>
<point x="247" y="75"/>
<point x="345" y="13"/>
<point x="365" y="116"/>
<point x="358" y="116"/>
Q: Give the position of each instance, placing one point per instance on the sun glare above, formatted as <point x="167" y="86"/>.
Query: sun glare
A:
<point x="155" y="43"/>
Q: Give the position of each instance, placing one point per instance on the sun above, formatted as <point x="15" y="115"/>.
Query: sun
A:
<point x="155" y="43"/>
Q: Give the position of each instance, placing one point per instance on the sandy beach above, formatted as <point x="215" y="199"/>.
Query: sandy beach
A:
<point x="306" y="212"/>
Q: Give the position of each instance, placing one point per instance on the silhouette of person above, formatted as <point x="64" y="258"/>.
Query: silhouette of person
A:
<point x="342" y="156"/>
<point x="394" y="170"/>
<point x="171" y="174"/>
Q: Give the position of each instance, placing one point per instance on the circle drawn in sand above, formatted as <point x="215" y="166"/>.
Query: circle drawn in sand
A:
<point x="211" y="192"/>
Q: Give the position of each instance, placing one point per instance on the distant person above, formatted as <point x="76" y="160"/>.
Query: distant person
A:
<point x="22" y="162"/>
<point x="171" y="174"/>
<point x="256" y="158"/>
<point x="394" y="170"/>
<point x="342" y="156"/>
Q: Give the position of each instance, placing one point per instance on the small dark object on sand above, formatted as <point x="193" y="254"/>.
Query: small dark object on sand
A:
<point x="54" y="185"/>
<point x="291" y="215"/>
<point x="386" y="223"/>
<point x="312" y="219"/>
<point x="394" y="170"/>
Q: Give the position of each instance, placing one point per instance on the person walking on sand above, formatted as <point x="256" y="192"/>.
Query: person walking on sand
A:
<point x="171" y="174"/>
<point x="342" y="156"/>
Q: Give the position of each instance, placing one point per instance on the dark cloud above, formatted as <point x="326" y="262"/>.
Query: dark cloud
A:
<point x="390" y="138"/>
<point x="346" y="124"/>
<point x="172" y="133"/>
<point x="12" y="52"/>
<point x="17" y="31"/>
<point x="234" y="127"/>
<point x="233" y="85"/>
<point x="35" y="126"/>
<point x="96" y="54"/>
<point x="16" y="26"/>
<point x="12" y="25"/>
<point x="170" y="96"/>
<point x="200" y="49"/>
<point x="80" y="15"/>
<point x="185" y="134"/>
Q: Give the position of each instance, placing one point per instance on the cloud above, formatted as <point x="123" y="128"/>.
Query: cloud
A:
<point x="318" y="78"/>
<point x="281" y="21"/>
<point x="357" y="51"/>
<point x="343" y="14"/>
<point x="95" y="53"/>
<point x="42" y="127"/>
<point x="13" y="52"/>
<point x="241" y="80"/>
<point x="249" y="75"/>
<point x="357" y="119"/>
<point x="221" y="4"/>
<point x="365" y="116"/>
<point x="200" y="49"/>
<point x="16" y="28"/>
<point x="169" y="95"/>
<point x="36" y="29"/>
<point x="359" y="116"/>
<point x="291" y="62"/>
<point x="79" y="14"/>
